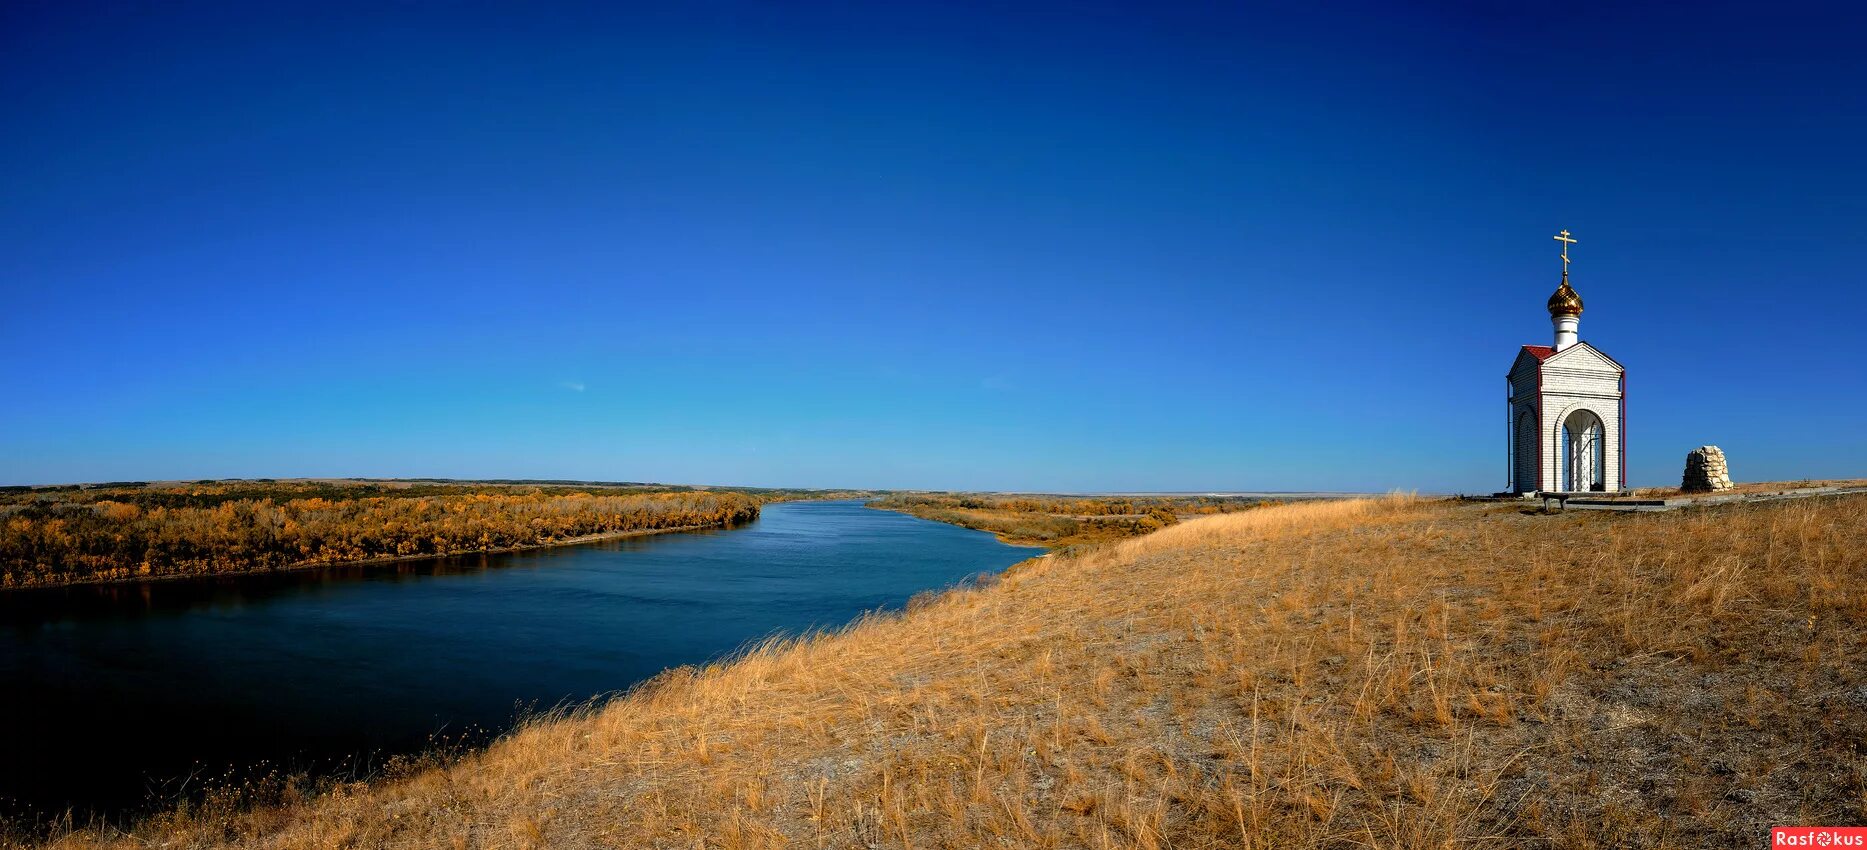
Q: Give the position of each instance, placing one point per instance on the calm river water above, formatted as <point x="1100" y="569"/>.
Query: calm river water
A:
<point x="112" y="695"/>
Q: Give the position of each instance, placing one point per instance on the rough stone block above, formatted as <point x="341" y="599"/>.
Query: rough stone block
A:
<point x="1705" y="471"/>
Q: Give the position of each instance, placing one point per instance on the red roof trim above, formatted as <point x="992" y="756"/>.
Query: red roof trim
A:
<point x="1540" y="352"/>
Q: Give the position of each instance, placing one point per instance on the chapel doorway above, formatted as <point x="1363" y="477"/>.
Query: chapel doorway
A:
<point x="1584" y="452"/>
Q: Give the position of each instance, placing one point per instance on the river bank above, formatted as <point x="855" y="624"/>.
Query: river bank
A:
<point x="134" y="532"/>
<point x="364" y="562"/>
<point x="1058" y="522"/>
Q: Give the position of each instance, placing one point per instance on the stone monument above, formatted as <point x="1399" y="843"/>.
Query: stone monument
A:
<point x="1705" y="471"/>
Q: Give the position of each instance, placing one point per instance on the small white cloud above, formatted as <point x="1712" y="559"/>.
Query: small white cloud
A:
<point x="573" y="386"/>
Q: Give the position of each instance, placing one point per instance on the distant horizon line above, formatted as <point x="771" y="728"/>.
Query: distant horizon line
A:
<point x="93" y="485"/>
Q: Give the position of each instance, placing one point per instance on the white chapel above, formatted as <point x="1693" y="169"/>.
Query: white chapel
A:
<point x="1567" y="404"/>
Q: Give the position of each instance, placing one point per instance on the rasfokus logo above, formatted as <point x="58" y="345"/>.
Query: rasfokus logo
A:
<point x="1818" y="836"/>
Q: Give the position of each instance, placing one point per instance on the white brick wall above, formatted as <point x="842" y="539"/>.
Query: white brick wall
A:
<point x="1556" y="408"/>
<point x="1527" y="428"/>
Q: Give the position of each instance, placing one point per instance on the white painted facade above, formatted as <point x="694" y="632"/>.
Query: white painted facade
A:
<point x="1567" y="406"/>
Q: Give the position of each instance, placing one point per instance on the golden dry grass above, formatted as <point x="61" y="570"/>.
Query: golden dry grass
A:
<point x="1372" y="673"/>
<point x="1752" y="487"/>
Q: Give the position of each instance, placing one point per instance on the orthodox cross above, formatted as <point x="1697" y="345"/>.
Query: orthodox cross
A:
<point x="1563" y="237"/>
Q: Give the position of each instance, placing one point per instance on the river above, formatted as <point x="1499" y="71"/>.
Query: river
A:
<point x="121" y="697"/>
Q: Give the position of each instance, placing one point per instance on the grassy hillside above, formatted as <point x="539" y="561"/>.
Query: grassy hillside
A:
<point x="1371" y="673"/>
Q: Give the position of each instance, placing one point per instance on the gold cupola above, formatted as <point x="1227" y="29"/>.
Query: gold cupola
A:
<point x="1565" y="301"/>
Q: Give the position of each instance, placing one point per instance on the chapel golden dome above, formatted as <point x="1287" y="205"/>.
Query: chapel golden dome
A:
<point x="1566" y="301"/>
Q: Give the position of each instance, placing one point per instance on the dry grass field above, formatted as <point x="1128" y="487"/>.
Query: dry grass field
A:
<point x="1372" y="673"/>
<point x="1752" y="487"/>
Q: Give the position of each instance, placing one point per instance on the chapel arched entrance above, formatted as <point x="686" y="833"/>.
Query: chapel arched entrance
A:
<point x="1584" y="445"/>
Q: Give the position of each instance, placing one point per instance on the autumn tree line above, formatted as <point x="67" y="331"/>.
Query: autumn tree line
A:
<point x="69" y="535"/>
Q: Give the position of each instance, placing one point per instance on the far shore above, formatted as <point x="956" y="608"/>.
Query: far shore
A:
<point x="364" y="562"/>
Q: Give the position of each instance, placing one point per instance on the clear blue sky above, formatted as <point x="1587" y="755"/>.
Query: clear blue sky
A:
<point x="1061" y="248"/>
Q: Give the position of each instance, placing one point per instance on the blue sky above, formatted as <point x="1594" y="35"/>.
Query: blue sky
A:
<point x="1077" y="247"/>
